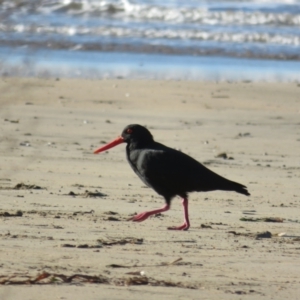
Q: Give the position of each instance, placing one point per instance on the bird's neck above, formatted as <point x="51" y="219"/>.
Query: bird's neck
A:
<point x="139" y="144"/>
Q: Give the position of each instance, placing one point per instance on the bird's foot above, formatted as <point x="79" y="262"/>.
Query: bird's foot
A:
<point x="140" y="217"/>
<point x="145" y="215"/>
<point x="184" y="226"/>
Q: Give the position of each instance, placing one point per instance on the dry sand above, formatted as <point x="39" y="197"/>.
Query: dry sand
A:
<point x="49" y="129"/>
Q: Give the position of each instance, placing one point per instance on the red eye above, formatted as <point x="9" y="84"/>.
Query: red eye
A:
<point x="129" y="130"/>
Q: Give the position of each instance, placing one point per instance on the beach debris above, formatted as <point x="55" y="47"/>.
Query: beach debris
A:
<point x="19" y="213"/>
<point x="86" y="246"/>
<point x="81" y="246"/>
<point x="23" y="186"/>
<point x="116" y="266"/>
<point x="75" y="213"/>
<point x="111" y="215"/>
<point x="163" y="264"/>
<point x="185" y="241"/>
<point x="249" y="212"/>
<point x="87" y="194"/>
<point x="218" y="223"/>
<point x="174" y="262"/>
<point x="12" y="121"/>
<point x="240" y="135"/>
<point x="224" y="156"/>
<point x="57" y="226"/>
<point x="177" y="262"/>
<point x="294" y="238"/>
<point x="136" y="281"/>
<point x="137" y="273"/>
<point x="260" y="235"/>
<point x="264" y="235"/>
<point x="40" y="213"/>
<point x="55" y="278"/>
<point x="121" y="241"/>
<point x="234" y="232"/>
<point x="78" y="185"/>
<point x="240" y="292"/>
<point x="143" y="280"/>
<point x="266" y="219"/>
<point x="68" y="245"/>
<point x="25" y="144"/>
<point x="281" y="234"/>
<point x="293" y="221"/>
<point x="205" y="226"/>
<point x="111" y="219"/>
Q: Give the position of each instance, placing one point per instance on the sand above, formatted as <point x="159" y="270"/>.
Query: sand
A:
<point x="49" y="129"/>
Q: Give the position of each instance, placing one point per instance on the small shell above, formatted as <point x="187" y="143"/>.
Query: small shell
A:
<point x="282" y="234"/>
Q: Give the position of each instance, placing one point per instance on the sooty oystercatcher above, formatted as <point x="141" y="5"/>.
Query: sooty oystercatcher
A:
<point x="168" y="171"/>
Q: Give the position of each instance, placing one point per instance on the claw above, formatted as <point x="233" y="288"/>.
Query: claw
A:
<point x="145" y="215"/>
<point x="184" y="226"/>
<point x="140" y="217"/>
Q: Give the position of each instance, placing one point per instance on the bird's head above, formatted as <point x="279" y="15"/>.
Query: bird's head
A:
<point x="132" y="134"/>
<point x="135" y="133"/>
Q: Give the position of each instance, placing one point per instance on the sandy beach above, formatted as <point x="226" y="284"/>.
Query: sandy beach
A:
<point x="64" y="209"/>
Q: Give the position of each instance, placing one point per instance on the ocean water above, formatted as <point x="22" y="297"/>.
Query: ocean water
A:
<point x="191" y="39"/>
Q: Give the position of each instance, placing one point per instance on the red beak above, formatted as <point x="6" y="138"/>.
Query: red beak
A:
<point x="112" y="144"/>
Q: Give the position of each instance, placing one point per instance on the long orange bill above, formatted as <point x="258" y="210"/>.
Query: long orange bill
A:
<point x="113" y="143"/>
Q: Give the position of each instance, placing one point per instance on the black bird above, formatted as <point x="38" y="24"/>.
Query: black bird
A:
<point x="169" y="172"/>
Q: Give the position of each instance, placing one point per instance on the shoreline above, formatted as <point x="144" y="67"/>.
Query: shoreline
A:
<point x="100" y="65"/>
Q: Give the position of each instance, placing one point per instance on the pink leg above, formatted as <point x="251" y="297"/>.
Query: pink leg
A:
<point x="186" y="224"/>
<point x="145" y="215"/>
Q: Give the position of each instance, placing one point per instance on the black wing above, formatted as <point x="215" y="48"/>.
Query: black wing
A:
<point x="170" y="172"/>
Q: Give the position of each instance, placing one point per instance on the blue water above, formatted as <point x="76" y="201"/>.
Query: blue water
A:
<point x="191" y="39"/>
<point x="127" y="65"/>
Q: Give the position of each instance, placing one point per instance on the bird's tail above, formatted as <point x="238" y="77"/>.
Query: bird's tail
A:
<point x="243" y="190"/>
<point x="237" y="187"/>
<point x="228" y="185"/>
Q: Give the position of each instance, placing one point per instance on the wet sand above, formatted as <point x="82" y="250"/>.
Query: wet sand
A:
<point x="69" y="214"/>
